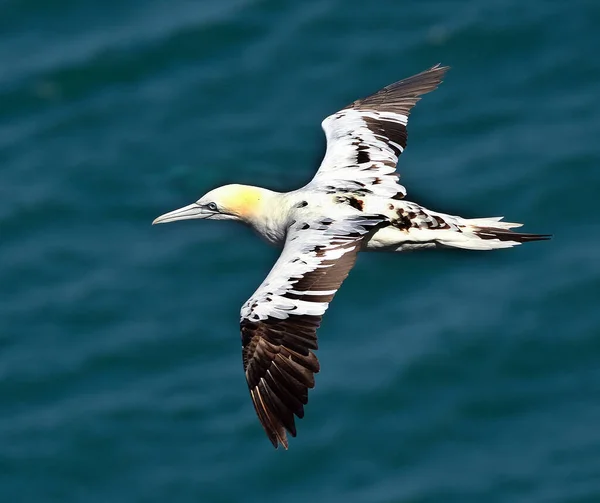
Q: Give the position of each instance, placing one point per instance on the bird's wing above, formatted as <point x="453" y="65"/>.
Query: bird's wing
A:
<point x="365" y="139"/>
<point x="279" y="322"/>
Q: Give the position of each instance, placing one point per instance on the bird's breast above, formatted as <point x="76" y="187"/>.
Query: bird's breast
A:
<point x="274" y="235"/>
<point x="272" y="227"/>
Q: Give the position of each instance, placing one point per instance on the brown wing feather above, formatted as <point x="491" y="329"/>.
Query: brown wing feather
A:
<point x="365" y="139"/>
<point x="278" y="353"/>
<point x="400" y="97"/>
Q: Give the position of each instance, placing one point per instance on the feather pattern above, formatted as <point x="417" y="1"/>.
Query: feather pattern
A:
<point x="279" y="322"/>
<point x="354" y="202"/>
<point x="365" y="140"/>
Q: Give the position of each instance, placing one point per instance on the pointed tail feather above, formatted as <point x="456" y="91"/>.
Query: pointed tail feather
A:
<point x="490" y="234"/>
<point x="508" y="235"/>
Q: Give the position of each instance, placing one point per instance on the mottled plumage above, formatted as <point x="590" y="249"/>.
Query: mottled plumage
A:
<point x="354" y="203"/>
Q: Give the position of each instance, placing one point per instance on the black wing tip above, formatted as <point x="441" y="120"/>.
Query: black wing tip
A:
<point x="281" y="393"/>
<point x="438" y="71"/>
<point x="439" y="68"/>
<point x="278" y="435"/>
<point x="272" y="425"/>
<point x="423" y="82"/>
<point x="278" y="441"/>
<point x="281" y="441"/>
<point x="402" y="96"/>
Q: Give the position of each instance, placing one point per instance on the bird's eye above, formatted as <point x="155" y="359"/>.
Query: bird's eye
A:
<point x="212" y="206"/>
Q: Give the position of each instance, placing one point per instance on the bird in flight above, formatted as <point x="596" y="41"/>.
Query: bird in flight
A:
<point x="354" y="203"/>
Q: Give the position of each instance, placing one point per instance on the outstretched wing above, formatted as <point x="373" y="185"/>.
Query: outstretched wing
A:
<point x="365" y="139"/>
<point x="279" y="322"/>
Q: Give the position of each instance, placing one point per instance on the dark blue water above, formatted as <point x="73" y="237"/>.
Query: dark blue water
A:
<point x="446" y="376"/>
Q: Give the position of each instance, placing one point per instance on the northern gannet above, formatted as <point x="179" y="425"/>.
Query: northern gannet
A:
<point x="354" y="203"/>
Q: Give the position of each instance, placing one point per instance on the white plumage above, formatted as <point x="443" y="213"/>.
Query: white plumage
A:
<point x="354" y="203"/>
<point x="343" y="167"/>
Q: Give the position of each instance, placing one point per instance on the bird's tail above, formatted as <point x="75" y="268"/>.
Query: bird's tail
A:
<point x="489" y="234"/>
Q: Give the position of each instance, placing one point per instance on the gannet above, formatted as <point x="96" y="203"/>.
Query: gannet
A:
<point x="354" y="203"/>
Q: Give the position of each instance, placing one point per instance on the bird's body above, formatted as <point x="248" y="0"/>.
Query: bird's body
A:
<point x="411" y="226"/>
<point x="354" y="203"/>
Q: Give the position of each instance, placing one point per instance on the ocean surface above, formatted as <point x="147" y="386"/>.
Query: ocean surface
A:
<point x="447" y="376"/>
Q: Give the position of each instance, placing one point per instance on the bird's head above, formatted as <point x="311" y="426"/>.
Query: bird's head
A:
<point x="230" y="202"/>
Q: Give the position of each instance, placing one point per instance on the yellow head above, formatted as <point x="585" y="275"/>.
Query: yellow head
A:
<point x="230" y="202"/>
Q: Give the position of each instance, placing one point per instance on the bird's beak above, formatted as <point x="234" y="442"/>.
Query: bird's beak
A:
<point x="186" y="213"/>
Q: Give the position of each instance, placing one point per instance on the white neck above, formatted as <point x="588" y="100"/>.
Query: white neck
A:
<point x="271" y="217"/>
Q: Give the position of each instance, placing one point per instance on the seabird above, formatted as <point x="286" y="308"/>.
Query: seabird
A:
<point x="354" y="203"/>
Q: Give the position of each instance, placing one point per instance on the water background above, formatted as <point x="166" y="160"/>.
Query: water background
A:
<point x="446" y="376"/>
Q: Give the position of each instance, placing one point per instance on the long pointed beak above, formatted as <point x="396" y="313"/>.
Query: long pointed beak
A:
<point x="186" y="213"/>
